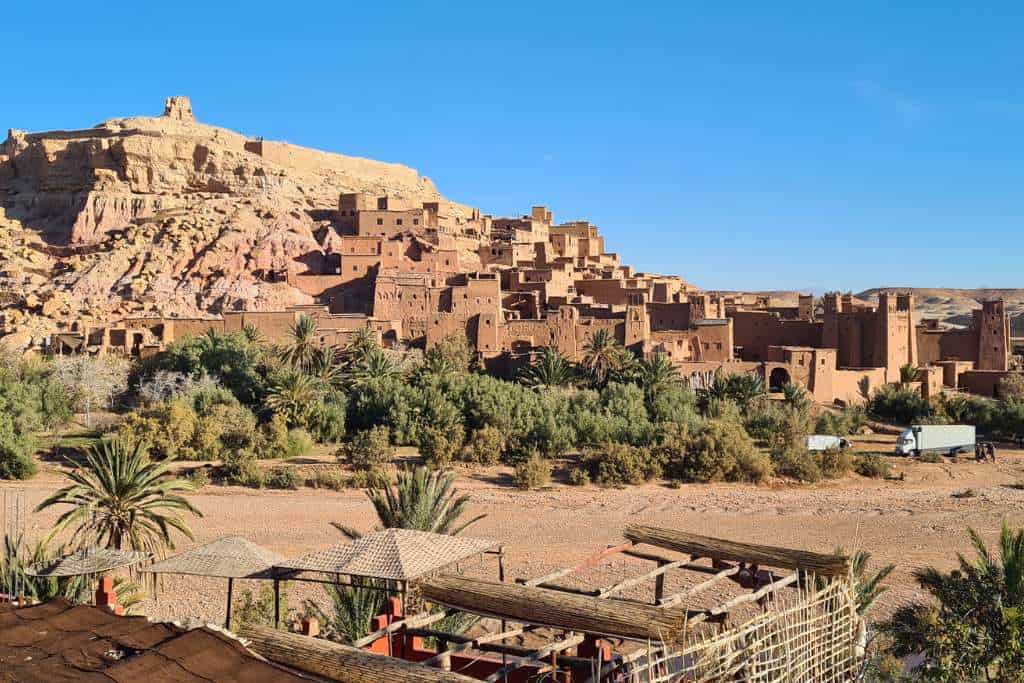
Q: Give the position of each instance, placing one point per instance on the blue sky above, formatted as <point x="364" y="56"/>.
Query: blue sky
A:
<point x="762" y="146"/>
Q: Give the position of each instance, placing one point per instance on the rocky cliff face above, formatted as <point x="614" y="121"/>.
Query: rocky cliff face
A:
<point x="165" y="215"/>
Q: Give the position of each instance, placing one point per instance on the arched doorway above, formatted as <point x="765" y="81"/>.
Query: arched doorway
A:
<point x="778" y="379"/>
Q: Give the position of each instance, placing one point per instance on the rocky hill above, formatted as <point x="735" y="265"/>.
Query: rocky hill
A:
<point x="165" y="215"/>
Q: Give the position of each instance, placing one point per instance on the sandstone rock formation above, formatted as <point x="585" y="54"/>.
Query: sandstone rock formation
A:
<point x="166" y="215"/>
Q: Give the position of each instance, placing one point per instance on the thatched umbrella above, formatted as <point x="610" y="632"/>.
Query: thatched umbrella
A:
<point x="544" y="607"/>
<point x="392" y="554"/>
<point x="87" y="561"/>
<point x="231" y="557"/>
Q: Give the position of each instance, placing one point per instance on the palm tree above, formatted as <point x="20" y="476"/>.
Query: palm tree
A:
<point x="353" y="608"/>
<point x="121" y="499"/>
<point x="293" y="394"/>
<point x="252" y="334"/>
<point x="974" y="627"/>
<point x="741" y="388"/>
<point x="362" y="342"/>
<point x="601" y="356"/>
<point x="376" y="365"/>
<point x="421" y="499"/>
<point x="328" y="367"/>
<point x="301" y="349"/>
<point x="551" y="369"/>
<point x="657" y="374"/>
<point x="908" y="374"/>
<point x="867" y="589"/>
<point x="795" y="396"/>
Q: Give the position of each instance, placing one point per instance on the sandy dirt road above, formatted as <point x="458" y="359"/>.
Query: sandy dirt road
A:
<point x="915" y="522"/>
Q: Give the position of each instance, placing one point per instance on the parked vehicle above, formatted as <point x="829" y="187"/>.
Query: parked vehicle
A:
<point x="949" y="439"/>
<point x="825" y="442"/>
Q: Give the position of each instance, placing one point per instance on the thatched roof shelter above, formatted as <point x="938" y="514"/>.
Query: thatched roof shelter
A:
<point x="392" y="554"/>
<point x="719" y="549"/>
<point x="231" y="557"/>
<point x="87" y="561"/>
<point x="543" y="607"/>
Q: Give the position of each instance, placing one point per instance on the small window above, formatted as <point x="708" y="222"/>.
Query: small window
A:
<point x="380" y="221"/>
<point x="398" y="221"/>
<point x="354" y="269"/>
<point x="415" y="221"/>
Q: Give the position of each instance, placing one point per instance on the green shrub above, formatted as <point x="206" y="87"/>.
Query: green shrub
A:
<point x="798" y="464"/>
<point x="718" y="450"/>
<point x="16" y="464"/>
<point x="484" y="446"/>
<point x="199" y="478"/>
<point x="368" y="449"/>
<point x="373" y="478"/>
<point x="282" y="477"/>
<point x="532" y="473"/>
<point x="579" y="476"/>
<point x="331" y="478"/>
<point x="930" y="456"/>
<point x="240" y="467"/>
<point x="834" y="463"/>
<point x="15" y="451"/>
<point x="848" y="421"/>
<point x="899" y="404"/>
<point x="619" y="464"/>
<point x="752" y="465"/>
<point x="237" y="425"/>
<point x="273" y="439"/>
<point x="328" y="422"/>
<point x="872" y="465"/>
<point x="300" y="443"/>
<point x="440" y="445"/>
<point x="777" y="425"/>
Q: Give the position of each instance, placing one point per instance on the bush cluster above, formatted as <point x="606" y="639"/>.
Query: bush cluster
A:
<point x="368" y="449"/>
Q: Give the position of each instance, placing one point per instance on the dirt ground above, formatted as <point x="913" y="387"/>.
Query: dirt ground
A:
<point x="914" y="522"/>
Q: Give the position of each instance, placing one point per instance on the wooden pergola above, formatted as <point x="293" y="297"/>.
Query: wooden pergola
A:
<point x="578" y="615"/>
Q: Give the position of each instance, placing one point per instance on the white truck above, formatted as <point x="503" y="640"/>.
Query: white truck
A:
<point x="949" y="439"/>
<point x="825" y="442"/>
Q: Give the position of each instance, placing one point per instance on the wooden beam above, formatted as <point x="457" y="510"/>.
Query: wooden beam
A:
<point x="472" y="643"/>
<point x="421" y="619"/>
<point x="637" y="580"/>
<point x="719" y="549"/>
<point x="534" y="605"/>
<point x="337" y="662"/>
<point x="725" y="607"/>
<point x="536" y="656"/>
<point x="589" y="562"/>
<point x="676" y="598"/>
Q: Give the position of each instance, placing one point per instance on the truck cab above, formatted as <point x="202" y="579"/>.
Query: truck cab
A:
<point x="906" y="444"/>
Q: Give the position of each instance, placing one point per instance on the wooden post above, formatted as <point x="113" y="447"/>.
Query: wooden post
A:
<point x="231" y="587"/>
<point x="504" y="626"/>
<point x="277" y="601"/>
<point x="659" y="584"/>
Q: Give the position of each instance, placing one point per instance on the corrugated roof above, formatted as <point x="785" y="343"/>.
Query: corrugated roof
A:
<point x="87" y="561"/>
<point x="397" y="554"/>
<point x="58" y="641"/>
<point x="231" y="557"/>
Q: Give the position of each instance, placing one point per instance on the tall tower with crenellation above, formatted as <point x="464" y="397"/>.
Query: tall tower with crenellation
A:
<point x="993" y="325"/>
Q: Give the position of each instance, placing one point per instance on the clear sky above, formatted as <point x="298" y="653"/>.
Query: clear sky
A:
<point x="764" y="146"/>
